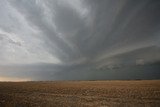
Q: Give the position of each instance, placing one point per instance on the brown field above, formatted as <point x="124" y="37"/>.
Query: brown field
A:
<point x="80" y="94"/>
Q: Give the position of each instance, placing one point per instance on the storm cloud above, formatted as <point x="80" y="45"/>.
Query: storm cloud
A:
<point x="80" y="39"/>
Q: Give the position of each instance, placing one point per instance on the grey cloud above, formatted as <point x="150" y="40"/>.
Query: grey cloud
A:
<point x="129" y="21"/>
<point x="34" y="14"/>
<point x="92" y="35"/>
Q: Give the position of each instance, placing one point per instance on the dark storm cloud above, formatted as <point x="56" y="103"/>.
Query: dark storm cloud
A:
<point x="66" y="20"/>
<point x="85" y="36"/>
<point x="111" y="25"/>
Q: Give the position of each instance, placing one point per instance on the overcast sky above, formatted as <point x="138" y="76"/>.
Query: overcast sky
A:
<point x="79" y="39"/>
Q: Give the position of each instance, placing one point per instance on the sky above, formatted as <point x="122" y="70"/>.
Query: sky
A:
<point x="79" y="39"/>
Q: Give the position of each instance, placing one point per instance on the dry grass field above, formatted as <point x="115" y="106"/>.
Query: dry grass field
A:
<point x="81" y="94"/>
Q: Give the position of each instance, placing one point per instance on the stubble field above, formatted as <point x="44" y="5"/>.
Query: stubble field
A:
<point x="144" y="93"/>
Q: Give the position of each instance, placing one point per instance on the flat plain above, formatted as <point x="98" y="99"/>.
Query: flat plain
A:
<point x="133" y="93"/>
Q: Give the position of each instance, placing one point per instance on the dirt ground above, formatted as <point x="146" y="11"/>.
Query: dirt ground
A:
<point x="143" y="93"/>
